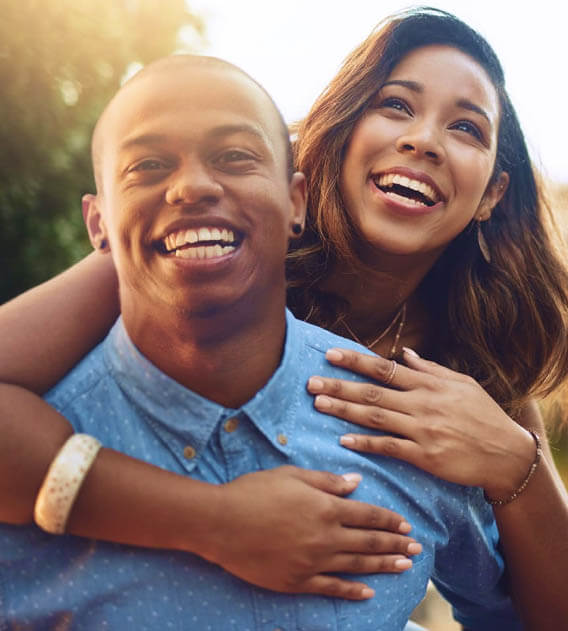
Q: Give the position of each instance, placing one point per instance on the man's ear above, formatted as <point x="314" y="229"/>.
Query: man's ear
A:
<point x="492" y="197"/>
<point x="95" y="222"/>
<point x="298" y="200"/>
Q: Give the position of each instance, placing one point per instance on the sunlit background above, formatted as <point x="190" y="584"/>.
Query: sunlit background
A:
<point x="294" y="47"/>
<point x="61" y="60"/>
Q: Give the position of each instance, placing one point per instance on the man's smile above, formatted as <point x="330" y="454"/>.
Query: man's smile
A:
<point x="204" y="242"/>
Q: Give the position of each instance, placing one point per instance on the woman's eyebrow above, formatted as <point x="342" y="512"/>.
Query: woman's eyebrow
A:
<point x="411" y="85"/>
<point x="418" y="87"/>
<point x="466" y="104"/>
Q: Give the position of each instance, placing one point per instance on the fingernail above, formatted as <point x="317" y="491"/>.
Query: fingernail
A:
<point x="347" y="441"/>
<point x="334" y="355"/>
<point x="322" y="402"/>
<point x="403" y="564"/>
<point x="414" y="548"/>
<point x="404" y="527"/>
<point x="410" y="351"/>
<point x="315" y="384"/>
<point x="367" y="592"/>
<point x="352" y="477"/>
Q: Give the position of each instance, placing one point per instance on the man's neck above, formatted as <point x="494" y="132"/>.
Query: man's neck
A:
<point x="226" y="357"/>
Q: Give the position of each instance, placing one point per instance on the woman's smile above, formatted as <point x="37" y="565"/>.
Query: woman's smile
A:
<point x="420" y="159"/>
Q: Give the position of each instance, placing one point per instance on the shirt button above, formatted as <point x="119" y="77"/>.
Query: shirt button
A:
<point x="231" y="425"/>
<point x="282" y="439"/>
<point x="189" y="452"/>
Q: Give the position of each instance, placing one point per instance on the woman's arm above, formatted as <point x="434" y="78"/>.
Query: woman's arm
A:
<point x="297" y="530"/>
<point x="47" y="330"/>
<point x="449" y="426"/>
<point x="532" y="529"/>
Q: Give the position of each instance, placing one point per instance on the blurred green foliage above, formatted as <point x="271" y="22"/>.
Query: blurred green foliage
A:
<point x="60" y="62"/>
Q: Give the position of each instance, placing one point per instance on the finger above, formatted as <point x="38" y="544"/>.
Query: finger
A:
<point x="356" y="514"/>
<point x="431" y="368"/>
<point x="400" y="448"/>
<point x="375" y="542"/>
<point x="377" y="368"/>
<point x="378" y="418"/>
<point x="324" y="480"/>
<point x="369" y="564"/>
<point x="335" y="587"/>
<point x="370" y="395"/>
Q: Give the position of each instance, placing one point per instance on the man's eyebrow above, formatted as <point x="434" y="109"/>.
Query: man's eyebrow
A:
<point x="142" y="141"/>
<point x="217" y="132"/>
<point x="246" y="128"/>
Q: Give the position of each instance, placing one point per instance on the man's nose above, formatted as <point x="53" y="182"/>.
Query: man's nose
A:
<point x="193" y="183"/>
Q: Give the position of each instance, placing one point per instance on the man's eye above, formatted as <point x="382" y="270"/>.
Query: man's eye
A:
<point x="149" y="165"/>
<point x="234" y="156"/>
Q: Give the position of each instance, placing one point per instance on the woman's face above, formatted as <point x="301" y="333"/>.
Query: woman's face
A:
<point x="419" y="160"/>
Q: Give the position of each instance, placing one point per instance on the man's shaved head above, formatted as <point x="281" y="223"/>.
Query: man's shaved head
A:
<point x="181" y="64"/>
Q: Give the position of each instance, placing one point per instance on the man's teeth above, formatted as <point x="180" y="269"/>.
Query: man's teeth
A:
<point x="391" y="179"/>
<point x="206" y="235"/>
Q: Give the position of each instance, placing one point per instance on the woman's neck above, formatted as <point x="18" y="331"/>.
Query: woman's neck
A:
<point x="380" y="302"/>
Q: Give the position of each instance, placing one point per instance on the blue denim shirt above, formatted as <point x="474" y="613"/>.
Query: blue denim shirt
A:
<point x="117" y="395"/>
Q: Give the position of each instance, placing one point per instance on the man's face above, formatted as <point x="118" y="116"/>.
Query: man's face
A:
<point x="194" y="196"/>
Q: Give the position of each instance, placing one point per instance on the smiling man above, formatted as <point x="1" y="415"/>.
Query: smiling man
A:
<point x="196" y="201"/>
<point x="205" y="375"/>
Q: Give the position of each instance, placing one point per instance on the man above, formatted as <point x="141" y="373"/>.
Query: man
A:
<point x="205" y="373"/>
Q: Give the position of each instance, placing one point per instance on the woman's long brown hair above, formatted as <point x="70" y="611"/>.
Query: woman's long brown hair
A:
<point x="504" y="323"/>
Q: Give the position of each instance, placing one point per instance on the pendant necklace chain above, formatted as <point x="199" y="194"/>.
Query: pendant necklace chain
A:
<point x="399" y="317"/>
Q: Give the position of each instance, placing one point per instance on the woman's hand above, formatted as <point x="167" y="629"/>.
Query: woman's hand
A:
<point x="289" y="530"/>
<point x="434" y="418"/>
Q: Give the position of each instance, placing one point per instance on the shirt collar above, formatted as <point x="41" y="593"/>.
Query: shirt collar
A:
<point x="273" y="409"/>
<point x="176" y="410"/>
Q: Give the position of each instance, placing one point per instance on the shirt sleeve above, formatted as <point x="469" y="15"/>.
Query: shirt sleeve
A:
<point x="469" y="571"/>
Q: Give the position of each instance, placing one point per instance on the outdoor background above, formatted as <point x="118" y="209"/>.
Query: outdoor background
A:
<point x="61" y="60"/>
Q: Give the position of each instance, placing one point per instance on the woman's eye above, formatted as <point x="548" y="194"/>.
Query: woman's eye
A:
<point x="394" y="104"/>
<point x="469" y="128"/>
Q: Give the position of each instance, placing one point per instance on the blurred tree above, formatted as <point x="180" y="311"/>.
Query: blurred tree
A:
<point x="60" y="62"/>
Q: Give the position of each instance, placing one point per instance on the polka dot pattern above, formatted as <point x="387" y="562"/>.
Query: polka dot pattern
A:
<point x="118" y="396"/>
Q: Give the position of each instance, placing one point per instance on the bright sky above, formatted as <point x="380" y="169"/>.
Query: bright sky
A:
<point x="294" y="47"/>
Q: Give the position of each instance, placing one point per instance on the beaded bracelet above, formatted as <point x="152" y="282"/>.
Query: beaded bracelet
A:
<point x="529" y="475"/>
<point x="63" y="481"/>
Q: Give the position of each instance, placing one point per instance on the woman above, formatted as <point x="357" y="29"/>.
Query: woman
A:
<point x="404" y="159"/>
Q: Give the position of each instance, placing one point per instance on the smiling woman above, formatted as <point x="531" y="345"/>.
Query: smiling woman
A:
<point x="412" y="148"/>
<point x="423" y="201"/>
<point x="418" y="165"/>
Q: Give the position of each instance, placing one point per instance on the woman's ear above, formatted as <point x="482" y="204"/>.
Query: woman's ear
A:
<point x="95" y="223"/>
<point x="298" y="202"/>
<point x="492" y="197"/>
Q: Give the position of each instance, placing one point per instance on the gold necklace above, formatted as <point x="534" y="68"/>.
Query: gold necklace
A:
<point x="400" y="317"/>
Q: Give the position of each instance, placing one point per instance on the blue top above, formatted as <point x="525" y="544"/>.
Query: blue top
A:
<point x="117" y="395"/>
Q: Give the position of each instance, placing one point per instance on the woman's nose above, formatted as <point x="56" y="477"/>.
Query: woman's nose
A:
<point x="422" y="141"/>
